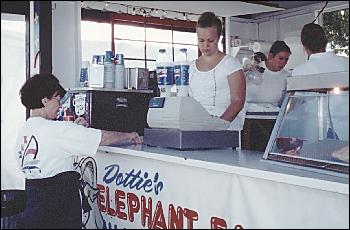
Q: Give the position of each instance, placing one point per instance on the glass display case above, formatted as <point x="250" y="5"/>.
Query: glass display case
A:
<point x="312" y="129"/>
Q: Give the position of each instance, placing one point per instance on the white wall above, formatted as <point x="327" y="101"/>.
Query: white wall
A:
<point x="66" y="51"/>
<point x="268" y="31"/>
<point x="245" y="30"/>
<point x="270" y="28"/>
<point x="295" y="23"/>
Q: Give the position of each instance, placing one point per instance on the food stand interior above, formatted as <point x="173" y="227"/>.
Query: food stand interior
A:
<point x="160" y="186"/>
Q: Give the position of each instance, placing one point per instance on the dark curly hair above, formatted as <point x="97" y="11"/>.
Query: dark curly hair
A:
<point x="209" y="19"/>
<point x="38" y="87"/>
<point x="314" y="37"/>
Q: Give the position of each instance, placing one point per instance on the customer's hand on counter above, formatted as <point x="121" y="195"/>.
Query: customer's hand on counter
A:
<point x="135" y="138"/>
<point x="113" y="138"/>
<point x="81" y="121"/>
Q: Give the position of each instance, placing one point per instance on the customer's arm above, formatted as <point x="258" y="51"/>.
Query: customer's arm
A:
<point x="237" y="86"/>
<point x="111" y="137"/>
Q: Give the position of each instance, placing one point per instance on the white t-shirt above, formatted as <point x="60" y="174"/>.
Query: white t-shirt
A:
<point x="325" y="62"/>
<point x="211" y="88"/>
<point x="46" y="148"/>
<point x="271" y="88"/>
<point x="269" y="91"/>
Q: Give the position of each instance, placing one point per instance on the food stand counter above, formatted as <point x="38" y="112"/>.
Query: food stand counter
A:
<point x="152" y="187"/>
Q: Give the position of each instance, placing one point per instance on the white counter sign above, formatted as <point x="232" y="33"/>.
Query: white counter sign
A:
<point x="137" y="192"/>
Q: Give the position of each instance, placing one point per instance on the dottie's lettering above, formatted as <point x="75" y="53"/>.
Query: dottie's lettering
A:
<point x="132" y="179"/>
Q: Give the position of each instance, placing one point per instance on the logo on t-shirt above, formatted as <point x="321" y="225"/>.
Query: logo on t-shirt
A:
<point x="28" y="153"/>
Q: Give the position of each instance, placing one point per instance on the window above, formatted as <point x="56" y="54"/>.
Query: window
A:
<point x="137" y="38"/>
<point x="336" y="24"/>
<point x="96" y="39"/>
<point x="141" y="41"/>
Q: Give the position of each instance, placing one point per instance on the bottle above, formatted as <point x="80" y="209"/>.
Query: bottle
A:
<point x="165" y="73"/>
<point x="109" y="71"/>
<point x="84" y="74"/>
<point x="181" y="73"/>
<point x="119" y="71"/>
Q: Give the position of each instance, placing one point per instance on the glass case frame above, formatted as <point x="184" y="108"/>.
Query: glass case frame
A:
<point x="312" y="131"/>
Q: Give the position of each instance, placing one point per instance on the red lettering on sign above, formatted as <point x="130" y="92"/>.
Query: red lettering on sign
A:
<point x="159" y="219"/>
<point x="110" y="211"/>
<point x="191" y="216"/>
<point x="176" y="218"/>
<point x="217" y="223"/>
<point x="119" y="204"/>
<point x="146" y="212"/>
<point x="101" y="198"/>
<point x="133" y="205"/>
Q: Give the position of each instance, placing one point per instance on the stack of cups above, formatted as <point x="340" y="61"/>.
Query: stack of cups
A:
<point x="119" y="71"/>
<point x="109" y="69"/>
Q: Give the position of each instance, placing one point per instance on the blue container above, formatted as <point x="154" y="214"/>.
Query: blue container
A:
<point x="119" y="59"/>
<point x="165" y="75"/>
<point x="109" y="56"/>
<point x="95" y="59"/>
<point x="101" y="59"/>
<point x="181" y="74"/>
<point x="84" y="77"/>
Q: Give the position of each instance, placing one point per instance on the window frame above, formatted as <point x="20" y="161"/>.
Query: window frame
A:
<point x="140" y="21"/>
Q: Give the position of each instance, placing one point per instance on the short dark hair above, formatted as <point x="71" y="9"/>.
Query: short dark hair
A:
<point x="279" y="46"/>
<point x="38" y="87"/>
<point x="209" y="19"/>
<point x="314" y="37"/>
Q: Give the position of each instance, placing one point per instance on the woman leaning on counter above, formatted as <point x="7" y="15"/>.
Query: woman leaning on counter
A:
<point x="216" y="79"/>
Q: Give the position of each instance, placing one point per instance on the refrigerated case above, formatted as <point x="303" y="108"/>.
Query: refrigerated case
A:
<point x="312" y="129"/>
<point x="107" y="109"/>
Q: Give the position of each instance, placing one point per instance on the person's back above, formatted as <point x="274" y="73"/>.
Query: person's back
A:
<point x="314" y="40"/>
<point x="324" y="62"/>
